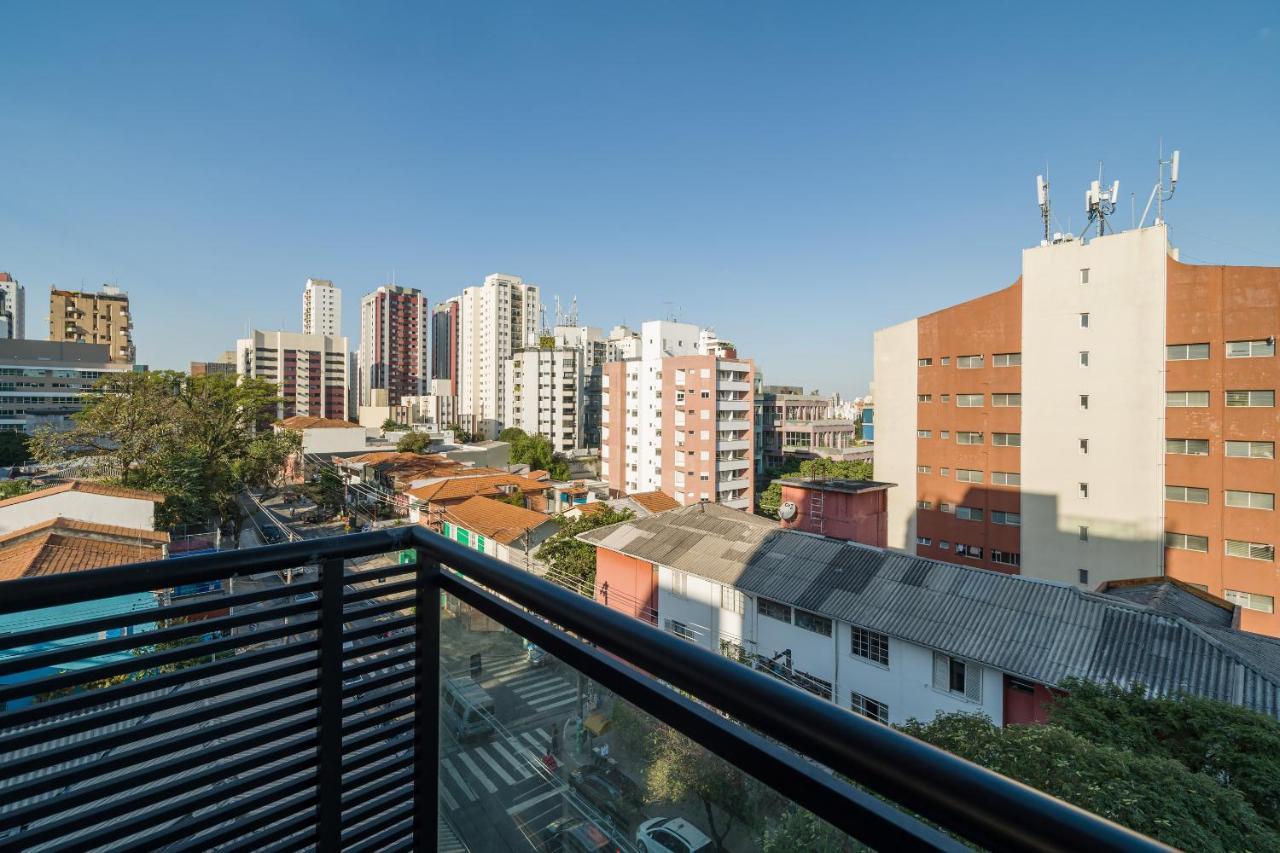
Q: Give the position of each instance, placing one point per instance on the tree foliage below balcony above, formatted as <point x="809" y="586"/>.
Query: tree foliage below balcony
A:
<point x="771" y="498"/>
<point x="573" y="562"/>
<point x="536" y="452"/>
<point x="1194" y="773"/>
<point x="198" y="440"/>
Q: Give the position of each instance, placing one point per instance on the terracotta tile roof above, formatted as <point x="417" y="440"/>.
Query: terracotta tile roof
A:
<point x="495" y="519"/>
<point x="307" y="422"/>
<point x="55" y="553"/>
<point x="73" y="525"/>
<point x="655" y="501"/>
<point x="468" y="486"/>
<point x="539" y="475"/>
<point x="593" y="508"/>
<point x="88" y="487"/>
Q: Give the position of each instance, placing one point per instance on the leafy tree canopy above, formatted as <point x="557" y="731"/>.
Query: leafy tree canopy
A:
<point x="392" y="425"/>
<point x="571" y="558"/>
<point x="414" y="442"/>
<point x="199" y="440"/>
<point x="13" y="488"/>
<point x="511" y="435"/>
<point x="771" y="497"/>
<point x="462" y="436"/>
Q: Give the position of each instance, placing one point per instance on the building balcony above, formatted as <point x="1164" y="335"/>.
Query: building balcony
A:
<point x="732" y="385"/>
<point x="732" y="444"/>
<point x="732" y="464"/>
<point x="392" y="705"/>
<point x="731" y="485"/>
<point x="732" y="424"/>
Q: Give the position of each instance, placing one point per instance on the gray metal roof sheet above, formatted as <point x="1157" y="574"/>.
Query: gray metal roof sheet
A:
<point x="1036" y="629"/>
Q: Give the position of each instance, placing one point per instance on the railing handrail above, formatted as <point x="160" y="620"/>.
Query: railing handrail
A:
<point x="976" y="803"/>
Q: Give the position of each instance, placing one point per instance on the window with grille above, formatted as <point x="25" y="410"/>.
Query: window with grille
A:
<point x="1189" y="446"/>
<point x="1250" y="500"/>
<point x="968" y="513"/>
<point x="968" y="362"/>
<point x="868" y="707"/>
<point x="871" y="645"/>
<point x="1006" y="478"/>
<point x="1006" y="401"/>
<point x="1187" y="352"/>
<point x="1187" y="542"/>
<point x="1250" y="600"/>
<point x="1007" y="359"/>
<point x="952" y="675"/>
<point x="1186" y="494"/>
<point x="1251" y="349"/>
<point x="1251" y="399"/>
<point x="968" y="437"/>
<point x="1252" y="449"/>
<point x="1250" y="550"/>
<point x="969" y="401"/>
<point x="1187" y="399"/>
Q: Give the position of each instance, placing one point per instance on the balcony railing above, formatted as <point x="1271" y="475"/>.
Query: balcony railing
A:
<point x="309" y="715"/>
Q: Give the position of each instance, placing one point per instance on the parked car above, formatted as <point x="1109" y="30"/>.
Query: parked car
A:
<point x="271" y="533"/>
<point x="615" y="796"/>
<point x="671" y="835"/>
<point x="575" y="835"/>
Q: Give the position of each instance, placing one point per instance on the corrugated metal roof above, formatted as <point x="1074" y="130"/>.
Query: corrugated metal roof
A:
<point x="1039" y="630"/>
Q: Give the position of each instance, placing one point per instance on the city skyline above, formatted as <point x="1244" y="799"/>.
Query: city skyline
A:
<point x="796" y="162"/>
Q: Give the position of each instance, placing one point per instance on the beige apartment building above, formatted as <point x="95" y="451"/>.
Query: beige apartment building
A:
<point x="93" y="318"/>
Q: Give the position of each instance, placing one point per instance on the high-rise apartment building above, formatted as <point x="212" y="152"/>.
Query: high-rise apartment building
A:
<point x="1110" y="415"/>
<point x="444" y="343"/>
<point x="793" y="424"/>
<point x="393" y="343"/>
<point x="13" y="308"/>
<point x="494" y="320"/>
<point x="311" y="370"/>
<point x="679" y="421"/>
<point x="93" y="318"/>
<point x="544" y="395"/>
<point x="321" y="308"/>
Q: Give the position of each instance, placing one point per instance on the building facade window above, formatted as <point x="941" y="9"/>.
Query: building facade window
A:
<point x="968" y="362"/>
<point x="952" y="675"/>
<point x="1009" y="519"/>
<point x="924" y="540"/>
<point x="813" y="622"/>
<point x="924" y="505"/>
<point x="924" y="433"/>
<point x="968" y="513"/>
<point x="1250" y="550"/>
<point x="1187" y="352"/>
<point x="968" y="401"/>
<point x="1007" y="359"/>
<point x="1186" y="494"/>
<point x="1251" y="449"/>
<point x="1250" y="600"/>
<point x="773" y="609"/>
<point x="681" y="630"/>
<point x="1084" y="321"/>
<point x="1084" y="401"/>
<point x="1084" y="276"/>
<point x="1006" y="401"/>
<point x="1187" y="542"/>
<point x="1251" y="349"/>
<point x="1187" y="399"/>
<point x="946" y="359"/>
<point x="1084" y="533"/>
<point x="1082" y="489"/>
<point x="1083" y="576"/>
<point x="968" y="437"/>
<point x="1006" y="439"/>
<point x="924" y="398"/>
<point x="732" y="600"/>
<point x="1250" y="500"/>
<point x="973" y="552"/>
<point x="1084" y="445"/>
<point x="679" y="583"/>
<point x="1251" y="399"/>
<point x="1187" y="446"/>
<point x="1084" y="358"/>
<point x="868" y="707"/>
<point x="924" y="362"/>
<point x="871" y="645"/>
<point x="1006" y="558"/>
<point x="968" y="475"/>
<point x="1006" y="478"/>
<point x="815" y="685"/>
<point x="923" y="469"/>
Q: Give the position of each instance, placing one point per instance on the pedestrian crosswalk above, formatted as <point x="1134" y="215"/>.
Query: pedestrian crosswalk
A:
<point x="504" y="761"/>
<point x="542" y="689"/>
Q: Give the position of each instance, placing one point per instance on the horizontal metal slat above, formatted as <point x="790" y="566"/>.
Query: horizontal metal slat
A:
<point x="364" y="723"/>
<point x="250" y="832"/>
<point x="352" y="763"/>
<point x="391" y="734"/>
<point x="386" y="590"/>
<point x="402" y="778"/>
<point x="375" y="699"/>
<point x="372" y="647"/>
<point x="376" y="834"/>
<point x="357" y="575"/>
<point x="390" y="799"/>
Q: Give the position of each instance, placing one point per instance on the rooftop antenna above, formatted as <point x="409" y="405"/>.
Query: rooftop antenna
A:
<point x="573" y="311"/>
<point x="559" y="316"/>
<point x="1100" y="203"/>
<point x="1158" y="193"/>
<point x="1042" y="197"/>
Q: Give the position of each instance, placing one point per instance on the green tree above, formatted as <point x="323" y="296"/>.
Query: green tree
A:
<point x="199" y="440"/>
<point x="1149" y="793"/>
<point x="13" y="448"/>
<point x="559" y="468"/>
<point x="770" y="498"/>
<point x="13" y="488"/>
<point x="462" y="436"/>
<point x="680" y="769"/>
<point x="414" y="442"/>
<point x="568" y="556"/>
<point x="799" y="829"/>
<point x="392" y="425"/>
<point x="516" y="498"/>
<point x="534" y="451"/>
<point x="512" y="435"/>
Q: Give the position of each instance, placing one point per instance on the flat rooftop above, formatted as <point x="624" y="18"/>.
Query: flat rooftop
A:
<point x="836" y="484"/>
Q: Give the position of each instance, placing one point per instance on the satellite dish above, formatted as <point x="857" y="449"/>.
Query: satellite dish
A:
<point x="787" y="511"/>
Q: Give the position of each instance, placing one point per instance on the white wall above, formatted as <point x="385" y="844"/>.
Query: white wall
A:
<point x="895" y="445"/>
<point x="81" y="506"/>
<point x="1125" y="300"/>
<point x="333" y="440"/>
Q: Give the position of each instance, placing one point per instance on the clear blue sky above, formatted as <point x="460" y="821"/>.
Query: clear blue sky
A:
<point x="795" y="174"/>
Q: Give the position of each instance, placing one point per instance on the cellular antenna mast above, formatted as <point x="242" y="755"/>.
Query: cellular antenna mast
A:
<point x="1159" y="194"/>
<point x="1100" y="203"/>
<point x="1042" y="196"/>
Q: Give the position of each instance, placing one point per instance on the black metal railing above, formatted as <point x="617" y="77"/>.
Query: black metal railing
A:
<point x="280" y="717"/>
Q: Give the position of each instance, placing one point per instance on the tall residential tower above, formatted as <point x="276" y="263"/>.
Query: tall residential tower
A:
<point x="494" y="320"/>
<point x="393" y="343"/>
<point x="321" y="308"/>
<point x="93" y="318"/>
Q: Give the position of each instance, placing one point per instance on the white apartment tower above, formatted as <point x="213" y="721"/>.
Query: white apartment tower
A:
<point x="545" y="395"/>
<point x="311" y="370"/>
<point x="13" y="308"/>
<point x="494" y="320"/>
<point x="321" y="308"/>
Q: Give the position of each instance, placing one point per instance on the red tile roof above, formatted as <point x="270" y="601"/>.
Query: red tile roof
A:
<point x="495" y="519"/>
<point x="308" y="422"/>
<point x="73" y="525"/>
<point x="656" y="501"/>
<point x="468" y="486"/>
<point x="57" y="553"/>
<point x="88" y="487"/>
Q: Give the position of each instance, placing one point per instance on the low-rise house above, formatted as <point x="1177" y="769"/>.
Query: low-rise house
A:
<point x="510" y="533"/>
<point x="857" y="510"/>
<point x="428" y="503"/>
<point x="893" y="636"/>
<point x="325" y="435"/>
<point x="82" y="500"/>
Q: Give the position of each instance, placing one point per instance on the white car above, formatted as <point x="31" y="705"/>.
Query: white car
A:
<point x="671" y="835"/>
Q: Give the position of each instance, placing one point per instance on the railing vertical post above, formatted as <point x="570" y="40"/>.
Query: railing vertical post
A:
<point x="426" y="712"/>
<point x="329" y="775"/>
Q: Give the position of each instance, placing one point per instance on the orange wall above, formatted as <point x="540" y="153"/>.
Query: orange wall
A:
<point x="1216" y="304"/>
<point x="987" y="325"/>
<point x="860" y="517"/>
<point x="632" y="584"/>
